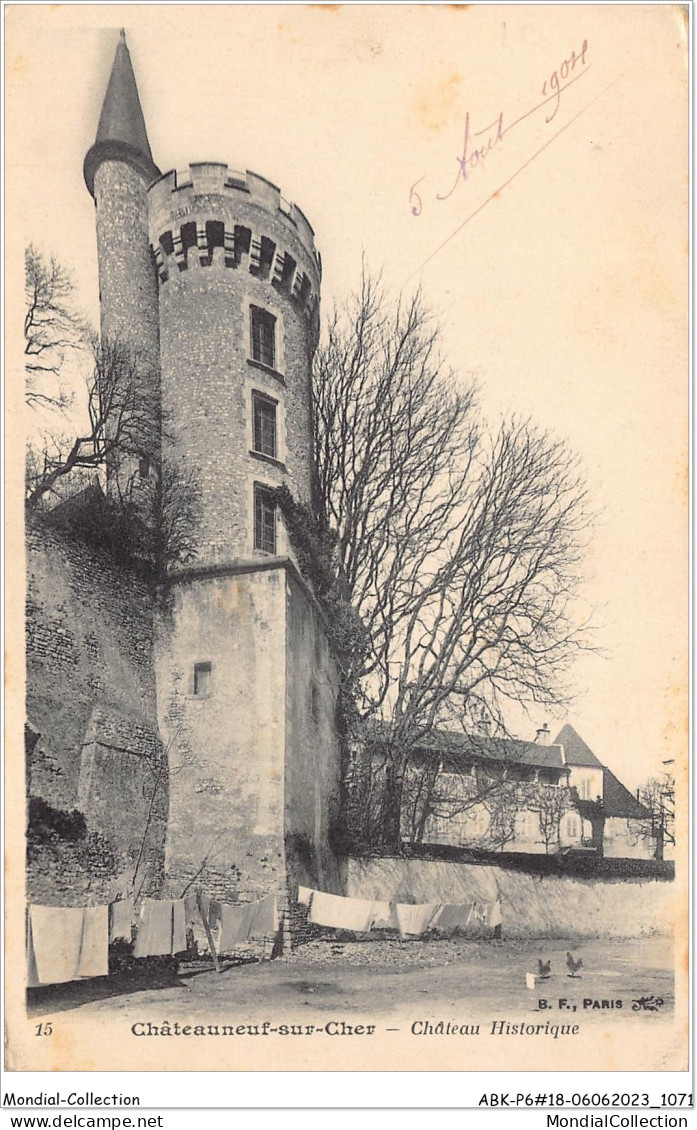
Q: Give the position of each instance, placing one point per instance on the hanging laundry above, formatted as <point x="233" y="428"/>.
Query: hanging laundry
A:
<point x="179" y="943"/>
<point x="415" y="919"/>
<point x="494" y="917"/>
<point x="304" y="895"/>
<point x="265" y="919"/>
<point x="215" y="912"/>
<point x="341" y="913"/>
<point x="67" y="943"/>
<point x="241" y="921"/>
<point x="480" y="913"/>
<point x="32" y="971"/>
<point x="94" y="945"/>
<point x="453" y="916"/>
<point x="194" y="904"/>
<point x="155" y="929"/>
<point x="384" y="916"/>
<point x="56" y="933"/>
<point x="120" y="920"/>
<point x="235" y="924"/>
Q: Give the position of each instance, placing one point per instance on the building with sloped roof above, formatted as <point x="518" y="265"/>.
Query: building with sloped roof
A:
<point x="627" y="827"/>
<point x="487" y="793"/>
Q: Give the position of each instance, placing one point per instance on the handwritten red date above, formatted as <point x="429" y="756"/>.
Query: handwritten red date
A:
<point x="554" y="84"/>
<point x="478" y="143"/>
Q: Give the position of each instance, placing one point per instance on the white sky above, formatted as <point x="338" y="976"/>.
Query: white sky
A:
<point x="566" y="294"/>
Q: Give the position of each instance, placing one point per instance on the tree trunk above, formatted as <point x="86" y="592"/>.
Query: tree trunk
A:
<point x="390" y="831"/>
<point x="420" y="829"/>
<point x="48" y="480"/>
<point x="660" y="843"/>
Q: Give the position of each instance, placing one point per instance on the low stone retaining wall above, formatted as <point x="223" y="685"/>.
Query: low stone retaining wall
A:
<point x="544" y="906"/>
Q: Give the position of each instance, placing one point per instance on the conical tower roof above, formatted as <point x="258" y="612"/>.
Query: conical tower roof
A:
<point x="576" y="750"/>
<point x="121" y="135"/>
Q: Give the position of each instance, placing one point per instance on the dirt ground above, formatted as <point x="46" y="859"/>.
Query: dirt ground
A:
<point x="422" y="1005"/>
<point x="447" y="979"/>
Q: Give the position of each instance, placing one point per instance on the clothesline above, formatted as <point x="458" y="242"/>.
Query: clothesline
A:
<point x="66" y="944"/>
<point x="71" y="943"/>
<point x="410" y="919"/>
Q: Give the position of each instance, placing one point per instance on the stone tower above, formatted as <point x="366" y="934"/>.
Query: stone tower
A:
<point x="215" y="276"/>
<point x="239" y="286"/>
<point x="118" y="169"/>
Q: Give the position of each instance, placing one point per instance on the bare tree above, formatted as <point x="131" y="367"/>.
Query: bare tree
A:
<point x="176" y="511"/>
<point x="394" y="437"/>
<point x="658" y="796"/>
<point x="153" y="508"/>
<point x="52" y="328"/>
<point x="449" y="791"/>
<point x="502" y="801"/>
<point x="461" y="550"/>
<point x="480" y="801"/>
<point x="123" y="423"/>
<point x="551" y="803"/>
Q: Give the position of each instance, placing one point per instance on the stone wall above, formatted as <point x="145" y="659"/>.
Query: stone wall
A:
<point x="312" y="773"/>
<point x="533" y="906"/>
<point x="226" y="747"/>
<point x="91" y="699"/>
<point x="254" y="762"/>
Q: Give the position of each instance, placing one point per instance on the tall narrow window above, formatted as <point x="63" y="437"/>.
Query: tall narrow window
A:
<point x="263" y="332"/>
<point x="202" y="679"/>
<point x="573" y="826"/>
<point x="264" y="520"/>
<point x="264" y="425"/>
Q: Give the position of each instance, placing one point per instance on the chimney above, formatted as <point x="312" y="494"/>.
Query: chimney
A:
<point x="543" y="735"/>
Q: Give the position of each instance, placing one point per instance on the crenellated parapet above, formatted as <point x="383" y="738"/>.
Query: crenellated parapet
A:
<point x="212" y="217"/>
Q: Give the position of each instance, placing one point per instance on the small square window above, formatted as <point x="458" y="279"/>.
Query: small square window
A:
<point x="264" y="425"/>
<point x="202" y="679"/>
<point x="263" y="334"/>
<point x="264" y="520"/>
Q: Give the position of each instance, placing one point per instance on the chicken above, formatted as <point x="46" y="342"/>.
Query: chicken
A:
<point x="573" y="964"/>
<point x="544" y="968"/>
